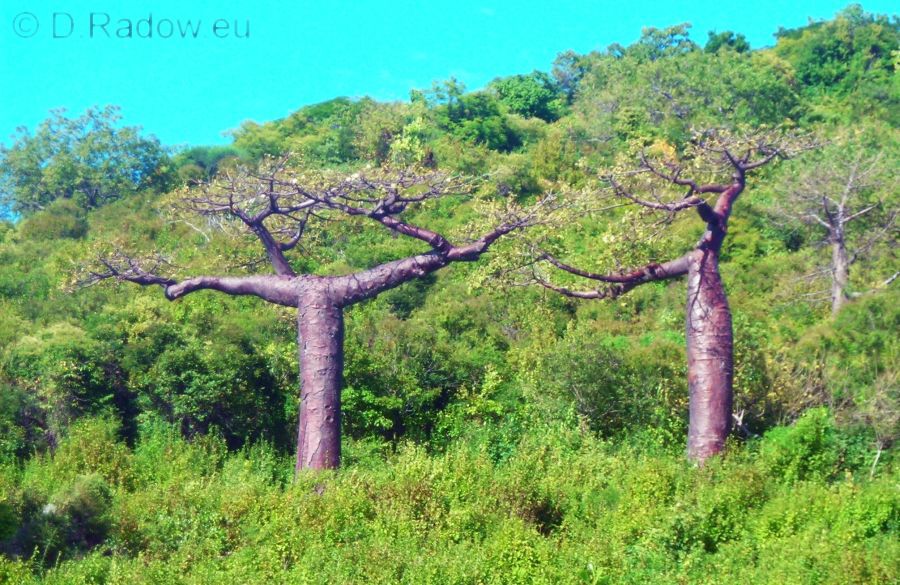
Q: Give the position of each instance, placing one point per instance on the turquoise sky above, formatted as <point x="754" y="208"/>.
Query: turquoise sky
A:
<point x="192" y="90"/>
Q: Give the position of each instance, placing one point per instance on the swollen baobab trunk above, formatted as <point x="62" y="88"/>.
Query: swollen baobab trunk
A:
<point x="276" y="191"/>
<point x="320" y="341"/>
<point x="710" y="360"/>
<point x="710" y="344"/>
<point x="709" y="336"/>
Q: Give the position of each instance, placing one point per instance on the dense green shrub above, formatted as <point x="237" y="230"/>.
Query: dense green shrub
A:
<point x="70" y="373"/>
<point x="61" y="219"/>
<point x="806" y="450"/>
<point x="616" y="382"/>
<point x="563" y="508"/>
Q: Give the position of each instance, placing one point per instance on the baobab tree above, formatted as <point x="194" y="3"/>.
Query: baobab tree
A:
<point x="709" y="336"/>
<point x="277" y="204"/>
<point x="843" y="194"/>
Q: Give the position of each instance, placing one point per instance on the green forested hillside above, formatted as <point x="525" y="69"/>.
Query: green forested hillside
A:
<point x="494" y="432"/>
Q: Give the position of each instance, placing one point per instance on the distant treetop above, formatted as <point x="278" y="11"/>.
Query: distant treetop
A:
<point x="88" y="159"/>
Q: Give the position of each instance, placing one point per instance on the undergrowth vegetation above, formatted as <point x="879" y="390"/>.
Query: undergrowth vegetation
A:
<point x="562" y="506"/>
<point x="493" y="433"/>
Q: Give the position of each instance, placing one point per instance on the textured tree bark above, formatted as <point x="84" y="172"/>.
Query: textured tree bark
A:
<point x="320" y="300"/>
<point x="321" y="347"/>
<point x="709" y="334"/>
<point x="840" y="274"/>
<point x="710" y="356"/>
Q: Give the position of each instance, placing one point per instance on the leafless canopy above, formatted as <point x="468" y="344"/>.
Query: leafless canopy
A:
<point x="845" y="196"/>
<point x="713" y="173"/>
<point x="277" y="202"/>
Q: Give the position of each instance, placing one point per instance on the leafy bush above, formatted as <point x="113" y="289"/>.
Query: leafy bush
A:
<point x="563" y="508"/>
<point x="806" y="450"/>
<point x="531" y="96"/>
<point x="616" y="382"/>
<point x="61" y="219"/>
<point x="71" y="374"/>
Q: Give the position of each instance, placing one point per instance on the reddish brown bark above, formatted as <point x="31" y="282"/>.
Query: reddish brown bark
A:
<point x="710" y="360"/>
<point x="709" y="335"/>
<point x="320" y="300"/>
<point x="320" y="341"/>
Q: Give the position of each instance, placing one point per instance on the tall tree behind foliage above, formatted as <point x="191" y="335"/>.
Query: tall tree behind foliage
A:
<point x="88" y="159"/>
<point x="846" y="65"/>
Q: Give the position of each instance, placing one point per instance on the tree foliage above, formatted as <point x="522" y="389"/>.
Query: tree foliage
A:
<point x="88" y="159"/>
<point x="510" y="434"/>
<point x="531" y="96"/>
<point x="726" y="40"/>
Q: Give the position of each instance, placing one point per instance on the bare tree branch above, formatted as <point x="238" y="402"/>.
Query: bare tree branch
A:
<point x="647" y="273"/>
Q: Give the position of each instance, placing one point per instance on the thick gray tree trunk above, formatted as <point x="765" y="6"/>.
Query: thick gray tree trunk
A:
<point x="840" y="274"/>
